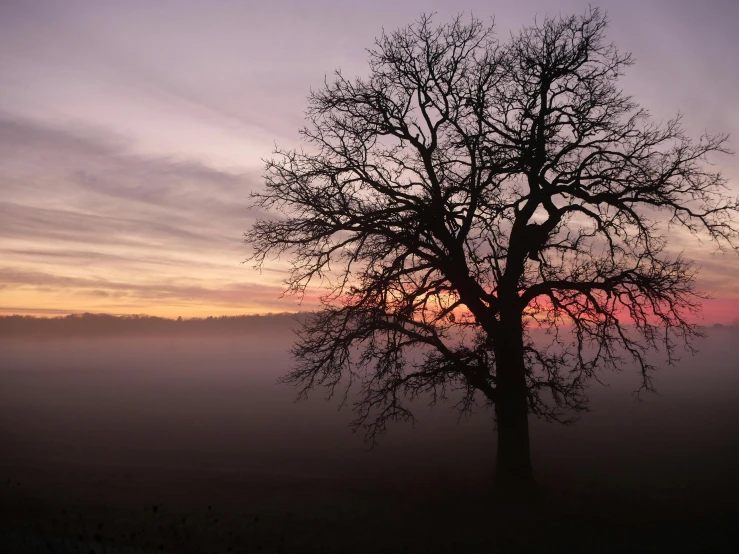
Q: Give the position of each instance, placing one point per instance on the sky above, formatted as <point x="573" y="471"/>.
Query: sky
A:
<point x="131" y="134"/>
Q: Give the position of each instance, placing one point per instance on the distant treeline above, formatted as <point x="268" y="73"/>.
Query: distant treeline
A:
<point x="127" y="325"/>
<point x="81" y="325"/>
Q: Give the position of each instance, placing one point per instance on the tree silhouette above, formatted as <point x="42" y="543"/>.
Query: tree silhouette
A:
<point x="490" y="217"/>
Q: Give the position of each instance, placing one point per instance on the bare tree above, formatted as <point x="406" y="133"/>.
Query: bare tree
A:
<point x="489" y="217"/>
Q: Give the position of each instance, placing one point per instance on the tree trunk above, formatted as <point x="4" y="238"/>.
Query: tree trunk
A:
<point x="514" y="477"/>
<point x="513" y="472"/>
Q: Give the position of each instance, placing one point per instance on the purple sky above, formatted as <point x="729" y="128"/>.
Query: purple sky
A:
<point x="131" y="133"/>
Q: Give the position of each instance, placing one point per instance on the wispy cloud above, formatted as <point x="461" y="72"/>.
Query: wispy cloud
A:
<point x="79" y="201"/>
<point x="236" y="297"/>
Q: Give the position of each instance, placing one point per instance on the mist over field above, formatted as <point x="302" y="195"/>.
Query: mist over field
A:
<point x="187" y="418"/>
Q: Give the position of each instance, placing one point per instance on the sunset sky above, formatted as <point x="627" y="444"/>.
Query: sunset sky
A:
<point x="131" y="133"/>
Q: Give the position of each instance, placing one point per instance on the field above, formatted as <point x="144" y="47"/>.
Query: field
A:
<point x="186" y="444"/>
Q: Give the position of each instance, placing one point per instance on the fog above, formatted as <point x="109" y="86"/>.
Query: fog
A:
<point x="200" y="419"/>
<point x="209" y="402"/>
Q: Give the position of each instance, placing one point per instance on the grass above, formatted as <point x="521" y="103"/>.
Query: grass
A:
<point x="378" y="521"/>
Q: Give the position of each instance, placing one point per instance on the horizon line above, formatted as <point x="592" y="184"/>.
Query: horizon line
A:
<point x="63" y="314"/>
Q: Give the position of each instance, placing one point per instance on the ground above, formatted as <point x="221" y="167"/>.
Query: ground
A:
<point x="82" y="508"/>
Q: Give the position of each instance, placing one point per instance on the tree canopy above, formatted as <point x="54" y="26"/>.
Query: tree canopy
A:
<point x="470" y="191"/>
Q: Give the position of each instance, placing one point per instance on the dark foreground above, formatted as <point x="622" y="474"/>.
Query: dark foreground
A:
<point x="140" y="445"/>
<point x="78" y="509"/>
